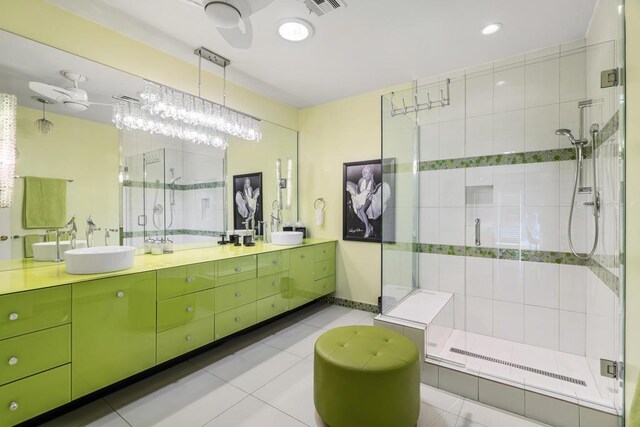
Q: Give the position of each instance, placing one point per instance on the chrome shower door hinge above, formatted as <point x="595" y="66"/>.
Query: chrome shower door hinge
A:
<point x="610" y="368"/>
<point x="610" y="78"/>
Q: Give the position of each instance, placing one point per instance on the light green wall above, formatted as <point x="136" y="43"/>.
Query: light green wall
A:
<point x="632" y="261"/>
<point x="82" y="150"/>
<point x="342" y="131"/>
<point x="248" y="157"/>
<point x="46" y="23"/>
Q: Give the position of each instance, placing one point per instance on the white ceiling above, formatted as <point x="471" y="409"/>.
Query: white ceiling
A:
<point x="368" y="45"/>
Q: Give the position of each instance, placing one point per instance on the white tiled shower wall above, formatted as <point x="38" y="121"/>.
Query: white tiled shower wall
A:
<point x="515" y="105"/>
<point x="195" y="209"/>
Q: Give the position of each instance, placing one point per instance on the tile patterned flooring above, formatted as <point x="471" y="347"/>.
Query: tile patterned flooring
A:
<point x="261" y="379"/>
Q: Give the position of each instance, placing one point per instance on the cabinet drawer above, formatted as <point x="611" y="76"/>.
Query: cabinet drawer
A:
<point x="269" y="263"/>
<point x="273" y="284"/>
<point x="182" y="339"/>
<point x="234" y="320"/>
<point x="324" y="251"/>
<point x="176" y="281"/>
<point x="179" y="310"/>
<point x="324" y="269"/>
<point x="272" y="306"/>
<point x="23" y="356"/>
<point x="235" y="270"/>
<point x="31" y="311"/>
<point x="235" y="294"/>
<point x="325" y="286"/>
<point x="34" y="395"/>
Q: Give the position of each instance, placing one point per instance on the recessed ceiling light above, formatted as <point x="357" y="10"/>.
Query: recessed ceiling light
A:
<point x="294" y="29"/>
<point x="492" y="28"/>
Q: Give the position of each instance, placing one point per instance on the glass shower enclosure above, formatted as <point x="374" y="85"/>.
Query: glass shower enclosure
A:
<point x="479" y="255"/>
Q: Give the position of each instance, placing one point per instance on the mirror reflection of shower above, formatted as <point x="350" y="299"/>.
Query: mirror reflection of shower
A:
<point x="158" y="208"/>
<point x="580" y="144"/>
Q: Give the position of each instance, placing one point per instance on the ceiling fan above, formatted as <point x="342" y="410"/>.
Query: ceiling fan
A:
<point x="73" y="98"/>
<point x="232" y="18"/>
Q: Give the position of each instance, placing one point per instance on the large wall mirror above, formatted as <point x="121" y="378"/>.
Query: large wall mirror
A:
<point x="136" y="187"/>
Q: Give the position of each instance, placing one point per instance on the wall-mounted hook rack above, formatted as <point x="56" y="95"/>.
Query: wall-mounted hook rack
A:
<point x="445" y="100"/>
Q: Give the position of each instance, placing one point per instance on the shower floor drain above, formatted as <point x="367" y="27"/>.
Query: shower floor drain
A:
<point x="522" y="367"/>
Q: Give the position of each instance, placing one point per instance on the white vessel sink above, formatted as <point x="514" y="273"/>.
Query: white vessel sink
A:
<point x="46" y="251"/>
<point x="100" y="259"/>
<point x="286" y="238"/>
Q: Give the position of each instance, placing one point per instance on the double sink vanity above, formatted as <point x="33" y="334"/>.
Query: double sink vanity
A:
<point x="64" y="336"/>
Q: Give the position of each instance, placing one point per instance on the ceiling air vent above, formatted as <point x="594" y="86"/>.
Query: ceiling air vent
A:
<point x="322" y="7"/>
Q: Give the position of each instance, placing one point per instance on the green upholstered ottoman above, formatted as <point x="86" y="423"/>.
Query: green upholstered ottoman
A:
<point x="366" y="376"/>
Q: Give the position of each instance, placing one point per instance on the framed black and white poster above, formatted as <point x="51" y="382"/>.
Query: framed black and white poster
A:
<point x="247" y="190"/>
<point x="366" y="198"/>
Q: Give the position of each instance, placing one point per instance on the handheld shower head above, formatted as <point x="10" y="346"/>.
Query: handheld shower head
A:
<point x="568" y="134"/>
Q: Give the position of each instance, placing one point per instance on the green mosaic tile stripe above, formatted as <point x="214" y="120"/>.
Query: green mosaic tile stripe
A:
<point x="179" y="187"/>
<point x="564" y="258"/>
<point x="176" y="232"/>
<point x="608" y="130"/>
<point x="350" y="304"/>
<point x="557" y="155"/>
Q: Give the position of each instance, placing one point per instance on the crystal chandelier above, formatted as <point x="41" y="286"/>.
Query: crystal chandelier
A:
<point x="173" y="113"/>
<point x="8" y="106"/>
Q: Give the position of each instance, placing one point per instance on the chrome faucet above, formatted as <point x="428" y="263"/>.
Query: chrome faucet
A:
<point x="107" y="234"/>
<point x="57" y="231"/>
<point x="73" y="231"/>
<point x="91" y="227"/>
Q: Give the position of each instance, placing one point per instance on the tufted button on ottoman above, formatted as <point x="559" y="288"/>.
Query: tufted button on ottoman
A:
<point x="366" y="376"/>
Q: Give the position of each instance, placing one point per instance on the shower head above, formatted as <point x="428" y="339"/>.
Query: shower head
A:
<point x="568" y="134"/>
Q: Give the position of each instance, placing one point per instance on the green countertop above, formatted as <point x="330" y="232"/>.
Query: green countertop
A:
<point x="28" y="279"/>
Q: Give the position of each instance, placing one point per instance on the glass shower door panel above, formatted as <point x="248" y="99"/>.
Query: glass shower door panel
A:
<point x="133" y="201"/>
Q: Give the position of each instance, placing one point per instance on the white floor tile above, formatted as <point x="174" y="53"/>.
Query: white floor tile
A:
<point x="335" y="316"/>
<point x="430" y="416"/>
<point x="181" y="396"/>
<point x="251" y="367"/>
<point x="251" y="412"/>
<point x="95" y="414"/>
<point x="297" y="339"/>
<point x="492" y="417"/>
<point x="440" y="399"/>
<point x="292" y="393"/>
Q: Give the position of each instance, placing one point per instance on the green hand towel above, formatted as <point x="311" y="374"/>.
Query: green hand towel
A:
<point x="29" y="240"/>
<point x="51" y="237"/>
<point x="45" y="202"/>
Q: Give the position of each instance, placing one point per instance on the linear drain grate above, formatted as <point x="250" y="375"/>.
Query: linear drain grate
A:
<point x="515" y="365"/>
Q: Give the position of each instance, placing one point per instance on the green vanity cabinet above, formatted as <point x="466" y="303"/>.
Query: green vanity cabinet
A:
<point x="176" y="281"/>
<point x="235" y="294"/>
<point x="273" y="262"/>
<point x="301" y="283"/>
<point x="272" y="306"/>
<point x="235" y="269"/>
<point x="177" y="311"/>
<point x="231" y="321"/>
<point x="324" y="269"/>
<point x="34" y="395"/>
<point x="113" y="331"/>
<point x="31" y="311"/>
<point x="184" y="338"/>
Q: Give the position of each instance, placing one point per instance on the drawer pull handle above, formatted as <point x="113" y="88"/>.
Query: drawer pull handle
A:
<point x="13" y="316"/>
<point x="120" y="294"/>
<point x="189" y="279"/>
<point x="273" y="306"/>
<point x="238" y="269"/>
<point x="274" y="262"/>
<point x="13" y="406"/>
<point x="189" y="309"/>
<point x="302" y="256"/>
<point x="13" y="361"/>
<point x="237" y="319"/>
<point x="188" y="337"/>
<point x="274" y="283"/>
<point x="324" y="251"/>
<point x="237" y="294"/>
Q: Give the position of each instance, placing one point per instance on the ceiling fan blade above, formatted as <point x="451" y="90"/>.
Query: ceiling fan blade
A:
<point x="236" y="37"/>
<point x="54" y="93"/>
<point x="106" y="104"/>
